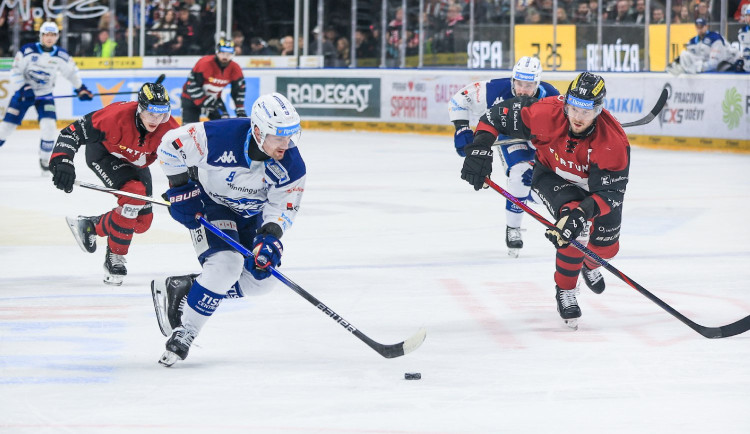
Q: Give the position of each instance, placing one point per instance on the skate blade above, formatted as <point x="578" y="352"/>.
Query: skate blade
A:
<point x="572" y="323"/>
<point x="160" y="307"/>
<point x="513" y="253"/>
<point x="168" y="359"/>
<point x="113" y="280"/>
<point x="73" y="225"/>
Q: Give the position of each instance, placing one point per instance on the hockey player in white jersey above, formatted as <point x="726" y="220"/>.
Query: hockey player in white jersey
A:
<point x="705" y="52"/>
<point x="516" y="155"/>
<point x="248" y="181"/>
<point x="32" y="77"/>
<point x="743" y="36"/>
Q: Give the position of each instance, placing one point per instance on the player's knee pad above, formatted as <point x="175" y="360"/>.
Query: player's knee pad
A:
<point x="144" y="219"/>
<point x="516" y="185"/>
<point x="48" y="129"/>
<point x="221" y="270"/>
<point x="249" y="285"/>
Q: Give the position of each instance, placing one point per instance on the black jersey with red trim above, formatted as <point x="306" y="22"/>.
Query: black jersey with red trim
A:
<point x="208" y="78"/>
<point x="598" y="163"/>
<point x="114" y="127"/>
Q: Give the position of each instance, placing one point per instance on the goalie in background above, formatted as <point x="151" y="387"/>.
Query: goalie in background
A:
<point x="202" y="91"/>
<point x="705" y="52"/>
<point x="121" y="141"/>
<point x="32" y="76"/>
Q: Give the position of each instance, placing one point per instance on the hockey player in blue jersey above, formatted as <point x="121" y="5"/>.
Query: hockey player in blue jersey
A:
<point x="32" y="76"/>
<point x="516" y="155"/>
<point x="705" y="52"/>
<point x="246" y="176"/>
<point x="743" y="37"/>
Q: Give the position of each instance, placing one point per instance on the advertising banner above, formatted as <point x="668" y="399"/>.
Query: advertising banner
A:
<point x="346" y="97"/>
<point x="537" y="40"/>
<point x="679" y="35"/>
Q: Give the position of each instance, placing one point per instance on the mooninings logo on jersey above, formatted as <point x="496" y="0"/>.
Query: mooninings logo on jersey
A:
<point x="332" y="96"/>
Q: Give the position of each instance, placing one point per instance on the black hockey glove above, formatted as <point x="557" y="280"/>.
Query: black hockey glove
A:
<point x="63" y="173"/>
<point x="568" y="227"/>
<point x="477" y="165"/>
<point x="240" y="112"/>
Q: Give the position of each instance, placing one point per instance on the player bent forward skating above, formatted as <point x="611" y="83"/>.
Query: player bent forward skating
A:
<point x="581" y="171"/>
<point x="250" y="181"/>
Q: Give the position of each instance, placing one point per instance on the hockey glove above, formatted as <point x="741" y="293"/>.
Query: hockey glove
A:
<point x="84" y="94"/>
<point x="63" y="173"/>
<point x="463" y="136"/>
<point x="568" y="227"/>
<point x="477" y="165"/>
<point x="240" y="112"/>
<point x="267" y="251"/>
<point x="27" y="93"/>
<point x="185" y="204"/>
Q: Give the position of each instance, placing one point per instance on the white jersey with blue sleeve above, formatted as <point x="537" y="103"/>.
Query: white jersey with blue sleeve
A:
<point x="220" y="152"/>
<point x="38" y="68"/>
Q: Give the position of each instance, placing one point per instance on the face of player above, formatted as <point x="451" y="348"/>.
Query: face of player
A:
<point x="224" y="58"/>
<point x="527" y="88"/>
<point x="702" y="30"/>
<point x="276" y="146"/>
<point x="580" y="119"/>
<point x="49" y="39"/>
<point x="152" y="120"/>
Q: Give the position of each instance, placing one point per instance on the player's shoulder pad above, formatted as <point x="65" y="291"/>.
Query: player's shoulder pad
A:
<point x="225" y="140"/>
<point x="287" y="170"/>
<point x="498" y="88"/>
<point x="63" y="54"/>
<point x="114" y="114"/>
<point x="548" y="90"/>
<point x="30" y="48"/>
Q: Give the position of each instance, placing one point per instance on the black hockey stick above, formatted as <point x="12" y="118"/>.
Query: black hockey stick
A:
<point x="653" y="113"/>
<point x="159" y="80"/>
<point x="732" y="329"/>
<point x="387" y="351"/>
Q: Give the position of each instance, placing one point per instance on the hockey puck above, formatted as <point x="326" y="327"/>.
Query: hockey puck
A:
<point x="412" y="376"/>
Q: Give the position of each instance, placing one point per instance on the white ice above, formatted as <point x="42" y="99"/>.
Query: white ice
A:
<point x="392" y="239"/>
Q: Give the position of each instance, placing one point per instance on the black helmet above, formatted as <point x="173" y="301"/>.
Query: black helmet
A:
<point x="154" y="98"/>
<point x="225" y="46"/>
<point x="586" y="91"/>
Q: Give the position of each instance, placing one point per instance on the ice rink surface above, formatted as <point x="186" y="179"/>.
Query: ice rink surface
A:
<point x="391" y="239"/>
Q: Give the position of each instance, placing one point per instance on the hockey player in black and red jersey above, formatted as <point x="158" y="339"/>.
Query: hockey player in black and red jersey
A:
<point x="581" y="171"/>
<point x="121" y="141"/>
<point x="202" y="91"/>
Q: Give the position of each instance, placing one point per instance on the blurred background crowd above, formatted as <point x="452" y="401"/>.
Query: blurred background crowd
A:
<point x="265" y="27"/>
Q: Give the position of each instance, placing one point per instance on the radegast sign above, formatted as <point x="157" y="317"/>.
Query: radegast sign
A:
<point x="332" y="97"/>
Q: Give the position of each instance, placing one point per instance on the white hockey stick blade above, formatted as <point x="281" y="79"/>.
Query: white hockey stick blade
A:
<point x="415" y="341"/>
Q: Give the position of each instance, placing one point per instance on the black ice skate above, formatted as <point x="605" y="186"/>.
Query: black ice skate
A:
<point x="567" y="306"/>
<point x="170" y="296"/>
<point x="593" y="278"/>
<point x="114" y="268"/>
<point x="84" y="231"/>
<point x="178" y="345"/>
<point x="513" y="241"/>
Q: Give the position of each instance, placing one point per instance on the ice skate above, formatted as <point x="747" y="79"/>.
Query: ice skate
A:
<point x="513" y="241"/>
<point x="170" y="296"/>
<point x="593" y="278"/>
<point x="84" y="231"/>
<point x="567" y="306"/>
<point x="675" y="69"/>
<point x="178" y="345"/>
<point x="114" y="268"/>
<point x="44" y="167"/>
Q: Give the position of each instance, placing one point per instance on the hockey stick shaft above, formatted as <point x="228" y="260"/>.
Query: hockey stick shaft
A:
<point x="159" y="80"/>
<point x="653" y="113"/>
<point x="735" y="328"/>
<point x="387" y="351"/>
